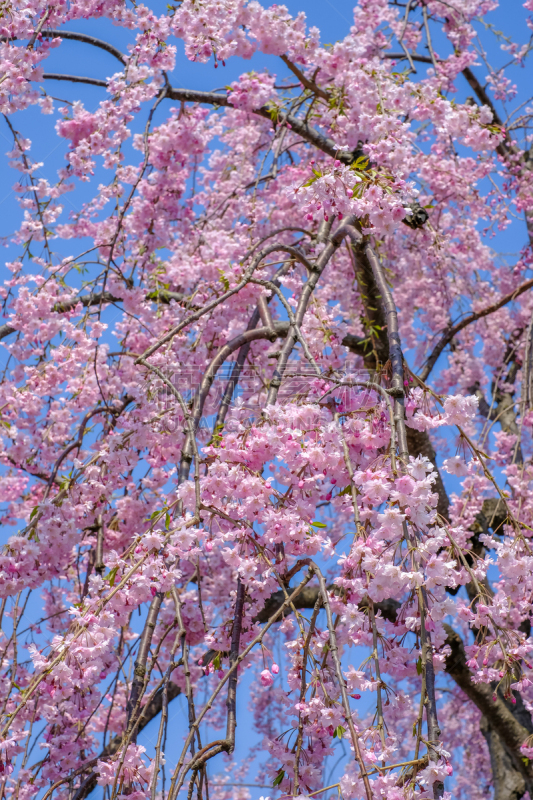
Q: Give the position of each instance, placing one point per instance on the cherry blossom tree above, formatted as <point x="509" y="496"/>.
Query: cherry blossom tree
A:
<point x="267" y="407"/>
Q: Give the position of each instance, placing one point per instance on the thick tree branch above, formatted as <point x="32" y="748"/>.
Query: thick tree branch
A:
<point x="403" y="57"/>
<point x="511" y="731"/>
<point x="297" y="125"/>
<point x="419" y="443"/>
<point x="375" y="352"/>
<point x="508" y="782"/>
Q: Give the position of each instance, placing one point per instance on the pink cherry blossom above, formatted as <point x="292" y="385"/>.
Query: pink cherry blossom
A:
<point x="253" y="335"/>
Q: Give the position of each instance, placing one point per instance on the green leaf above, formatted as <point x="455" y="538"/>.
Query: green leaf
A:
<point x="524" y="758"/>
<point x="112" y="574"/>
<point x="216" y="661"/>
<point x="339" y="732"/>
<point x="167" y="521"/>
<point x="419" y="667"/>
<point x="223" y="280"/>
<point x="34" y="512"/>
<point x="316" y="524"/>
<point x="346" y="490"/>
<point x="279" y="777"/>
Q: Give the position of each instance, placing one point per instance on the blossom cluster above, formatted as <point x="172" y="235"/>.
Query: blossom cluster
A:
<point x="204" y="407"/>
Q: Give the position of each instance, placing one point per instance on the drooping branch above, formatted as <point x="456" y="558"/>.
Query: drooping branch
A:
<point x="342" y="685"/>
<point x="231" y="702"/>
<point x="77" y="37"/>
<point x="315" y="271"/>
<point x="513" y="732"/>
<point x="149" y="712"/>
<point x="243" y="340"/>
<point x="428" y="668"/>
<point x="220" y="746"/>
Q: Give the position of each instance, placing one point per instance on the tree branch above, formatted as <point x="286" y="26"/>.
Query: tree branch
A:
<point x="311" y="85"/>
<point x="403" y="57"/>
<point x="96" y="298"/>
<point x="481" y="93"/>
<point x="139" y="674"/>
<point x="473" y="317"/>
<point x="83" y="37"/>
<point x="299" y="126"/>
<point x="54" y="76"/>
<point x="511" y="732"/>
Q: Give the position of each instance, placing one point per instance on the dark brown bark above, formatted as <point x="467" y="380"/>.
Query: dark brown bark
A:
<point x="504" y="730"/>
<point x="508" y="783"/>
<point x="137" y="686"/>
<point x="419" y="444"/>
